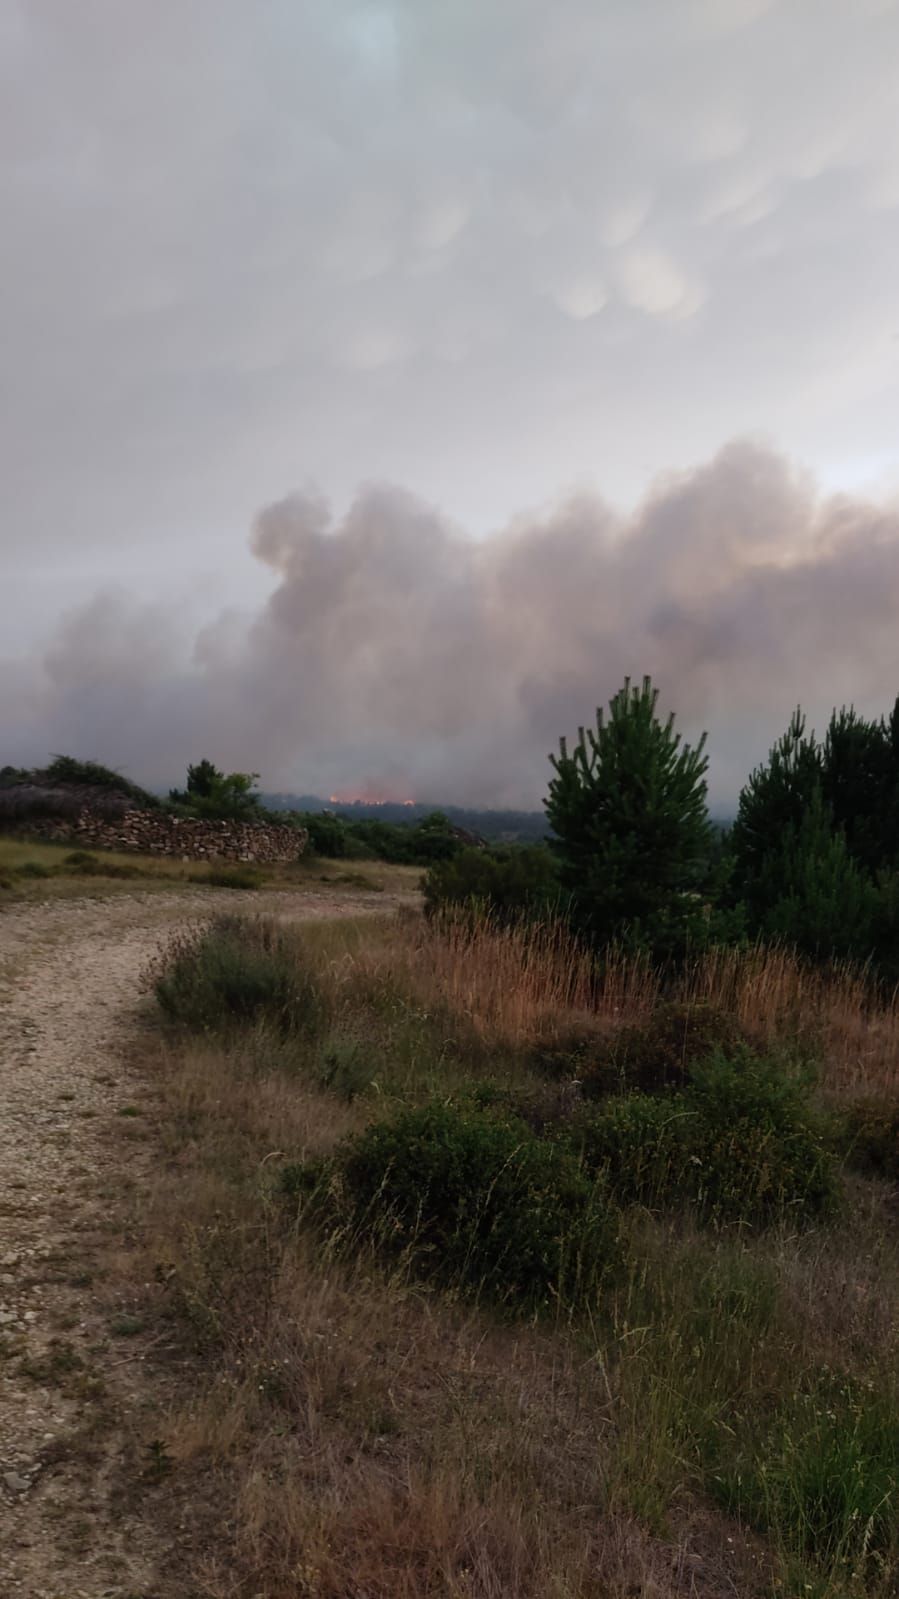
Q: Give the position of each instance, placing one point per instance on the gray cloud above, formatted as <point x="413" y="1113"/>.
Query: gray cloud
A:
<point x="483" y="249"/>
<point x="395" y="654"/>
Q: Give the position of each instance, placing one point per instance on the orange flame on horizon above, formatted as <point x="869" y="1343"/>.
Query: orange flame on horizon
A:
<point x="366" y="799"/>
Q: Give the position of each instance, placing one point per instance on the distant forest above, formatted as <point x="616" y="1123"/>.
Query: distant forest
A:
<point x="506" y="827"/>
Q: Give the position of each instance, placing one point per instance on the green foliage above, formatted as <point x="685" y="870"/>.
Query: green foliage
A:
<point x="866" y="1135"/>
<point x="816" y="841"/>
<point x="433" y="838"/>
<point x="816" y="897"/>
<point x="33" y="869"/>
<point x="738" y="1145"/>
<point x="241" y="877"/>
<point x="860" y="782"/>
<point x="477" y="1203"/>
<point x="663" y="1052"/>
<point x="65" y="769"/>
<point x="218" y="796"/>
<point x="822" y="1476"/>
<point x="328" y="834"/>
<point x="508" y="884"/>
<point x="234" y="973"/>
<point x="772" y="806"/>
<point x="628" y="808"/>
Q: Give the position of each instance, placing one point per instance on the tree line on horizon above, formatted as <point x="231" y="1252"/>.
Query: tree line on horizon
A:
<point x="632" y="855"/>
<point x="811" y="860"/>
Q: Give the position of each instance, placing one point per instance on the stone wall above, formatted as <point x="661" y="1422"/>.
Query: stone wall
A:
<point x="157" y="833"/>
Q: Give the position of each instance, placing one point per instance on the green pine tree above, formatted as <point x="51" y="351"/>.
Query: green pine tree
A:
<point x="628" y="809"/>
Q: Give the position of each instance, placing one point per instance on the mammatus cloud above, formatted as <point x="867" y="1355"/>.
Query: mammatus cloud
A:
<point x="399" y="654"/>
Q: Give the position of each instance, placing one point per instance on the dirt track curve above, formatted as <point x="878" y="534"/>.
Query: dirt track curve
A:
<point x="70" y="999"/>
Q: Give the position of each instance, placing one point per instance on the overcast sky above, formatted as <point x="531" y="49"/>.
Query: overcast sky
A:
<point x="506" y="255"/>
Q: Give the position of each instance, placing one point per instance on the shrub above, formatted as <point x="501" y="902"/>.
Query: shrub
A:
<point x="507" y="884"/>
<point x="33" y="869"/>
<point x="83" y="864"/>
<point x="65" y="769"/>
<point x="867" y="1137"/>
<point x="477" y="1202"/>
<point x="738" y="1146"/>
<point x="664" y="1052"/>
<point x="238" y="972"/>
<point x="80" y="860"/>
<point x="823" y="1478"/>
<point x="243" y="877"/>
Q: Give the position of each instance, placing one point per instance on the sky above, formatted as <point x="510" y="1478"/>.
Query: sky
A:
<point x="381" y="382"/>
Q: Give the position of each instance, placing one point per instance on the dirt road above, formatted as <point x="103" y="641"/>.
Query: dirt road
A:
<point x="75" y="1142"/>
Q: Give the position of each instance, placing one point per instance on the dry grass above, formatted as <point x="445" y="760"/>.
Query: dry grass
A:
<point x="155" y="872"/>
<point x="363" y="1438"/>
<point x="516" y="987"/>
<point x="370" y="1439"/>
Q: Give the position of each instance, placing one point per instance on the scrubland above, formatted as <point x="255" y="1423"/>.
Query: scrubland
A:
<point x="499" y="1270"/>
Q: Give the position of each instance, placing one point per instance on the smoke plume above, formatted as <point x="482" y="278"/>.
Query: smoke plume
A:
<point x="397" y="655"/>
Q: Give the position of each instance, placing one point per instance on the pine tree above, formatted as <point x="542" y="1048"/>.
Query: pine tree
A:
<point x="818" y="898"/>
<point x="774" y="800"/>
<point x="628" y="809"/>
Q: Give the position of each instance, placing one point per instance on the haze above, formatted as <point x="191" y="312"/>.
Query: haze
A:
<point x="382" y="382"/>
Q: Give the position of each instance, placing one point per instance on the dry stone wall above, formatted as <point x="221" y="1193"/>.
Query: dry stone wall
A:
<point x="158" y="833"/>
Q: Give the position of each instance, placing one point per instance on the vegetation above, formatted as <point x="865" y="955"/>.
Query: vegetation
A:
<point x="815" y="841"/>
<point x="506" y="883"/>
<point x="214" y="795"/>
<point x="475" y="1202"/>
<point x="665" y="1314"/>
<point x="739" y="1145"/>
<point x="236" y="973"/>
<point x="628" y="807"/>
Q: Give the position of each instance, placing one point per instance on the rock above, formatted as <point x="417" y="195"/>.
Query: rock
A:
<point x="15" y="1483"/>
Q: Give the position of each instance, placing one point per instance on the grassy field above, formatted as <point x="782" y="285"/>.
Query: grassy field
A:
<point x="37" y="870"/>
<point x="395" y="1393"/>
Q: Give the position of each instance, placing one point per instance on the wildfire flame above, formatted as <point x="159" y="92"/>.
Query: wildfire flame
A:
<point x="366" y="799"/>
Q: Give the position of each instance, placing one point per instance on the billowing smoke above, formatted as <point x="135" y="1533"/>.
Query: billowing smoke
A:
<point x="397" y="655"/>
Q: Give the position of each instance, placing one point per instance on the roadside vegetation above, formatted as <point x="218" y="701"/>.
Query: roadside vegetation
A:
<point x="36" y="870"/>
<point x="542" y="1242"/>
<point x="514" y="1270"/>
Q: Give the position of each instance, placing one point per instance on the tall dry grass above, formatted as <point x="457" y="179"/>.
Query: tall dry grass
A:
<point x="519" y="985"/>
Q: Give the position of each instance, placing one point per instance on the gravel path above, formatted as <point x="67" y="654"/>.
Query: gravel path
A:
<point x="70" y="1149"/>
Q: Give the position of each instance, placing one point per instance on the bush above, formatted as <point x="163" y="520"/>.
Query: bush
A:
<point x="867" y="1138"/>
<point x="477" y="1202"/>
<point x="34" y="869"/>
<point x="664" y="1052"/>
<point x="737" y="1146"/>
<point x="65" y="769"/>
<point x="823" y="1478"/>
<point x="238" y="972"/>
<point x="83" y="864"/>
<point x="508" y="885"/>
<point x="243" y="877"/>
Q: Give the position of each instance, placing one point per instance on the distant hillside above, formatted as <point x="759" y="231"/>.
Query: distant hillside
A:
<point x="503" y="826"/>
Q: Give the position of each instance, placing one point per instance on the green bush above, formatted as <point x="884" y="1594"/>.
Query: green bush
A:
<point x="478" y="1203"/>
<point x="822" y="1477"/>
<point x="34" y="869"/>
<point x="65" y="769"/>
<point x="81" y="863"/>
<point x="738" y="1145"/>
<point x="243" y="877"/>
<point x="237" y="972"/>
<point x="867" y="1137"/>
<point x="664" y="1052"/>
<point x="507" y="884"/>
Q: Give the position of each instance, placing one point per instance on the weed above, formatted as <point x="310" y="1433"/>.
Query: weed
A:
<point x="822" y="1476"/>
